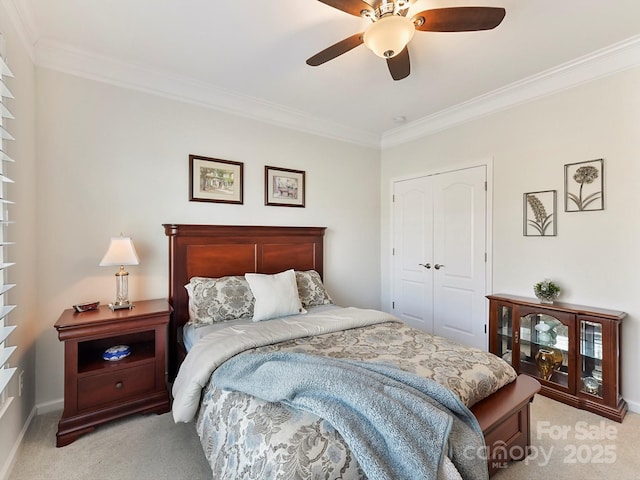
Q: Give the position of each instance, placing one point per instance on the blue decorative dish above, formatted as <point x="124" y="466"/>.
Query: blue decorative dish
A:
<point x="116" y="353"/>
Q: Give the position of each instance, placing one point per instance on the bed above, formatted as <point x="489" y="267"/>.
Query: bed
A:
<point x="215" y="251"/>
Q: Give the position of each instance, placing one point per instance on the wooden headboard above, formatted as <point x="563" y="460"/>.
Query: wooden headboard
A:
<point x="220" y="250"/>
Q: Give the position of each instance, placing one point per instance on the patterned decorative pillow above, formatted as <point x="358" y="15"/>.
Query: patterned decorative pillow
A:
<point x="311" y="290"/>
<point x="213" y="300"/>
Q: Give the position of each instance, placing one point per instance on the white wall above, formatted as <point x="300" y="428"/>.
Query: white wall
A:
<point x="23" y="233"/>
<point x="112" y="160"/>
<point x="595" y="255"/>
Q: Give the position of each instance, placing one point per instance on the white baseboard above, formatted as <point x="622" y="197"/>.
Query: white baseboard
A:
<point x="49" y="407"/>
<point x="13" y="455"/>
<point x="39" y="409"/>
<point x="633" y="406"/>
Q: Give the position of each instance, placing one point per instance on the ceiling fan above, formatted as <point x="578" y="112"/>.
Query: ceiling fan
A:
<point x="391" y="30"/>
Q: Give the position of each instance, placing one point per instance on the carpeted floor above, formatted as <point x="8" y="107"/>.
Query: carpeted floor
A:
<point x="139" y="447"/>
<point x="567" y="444"/>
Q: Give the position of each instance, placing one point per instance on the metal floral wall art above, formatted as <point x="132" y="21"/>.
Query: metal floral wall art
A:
<point x="540" y="214"/>
<point x="584" y="186"/>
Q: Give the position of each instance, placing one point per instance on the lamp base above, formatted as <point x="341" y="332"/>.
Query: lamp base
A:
<point x="120" y="306"/>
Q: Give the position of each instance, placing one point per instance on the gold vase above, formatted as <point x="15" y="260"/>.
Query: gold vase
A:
<point x="558" y="358"/>
<point x="546" y="361"/>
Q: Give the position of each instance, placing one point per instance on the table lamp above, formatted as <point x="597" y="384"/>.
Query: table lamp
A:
<point x="121" y="252"/>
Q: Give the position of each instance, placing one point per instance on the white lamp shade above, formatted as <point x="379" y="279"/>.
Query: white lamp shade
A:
<point x="121" y="252"/>
<point x="388" y="36"/>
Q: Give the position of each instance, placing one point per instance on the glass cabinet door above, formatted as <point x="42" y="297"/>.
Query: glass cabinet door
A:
<point x="505" y="333"/>
<point x="591" y="358"/>
<point x="545" y="339"/>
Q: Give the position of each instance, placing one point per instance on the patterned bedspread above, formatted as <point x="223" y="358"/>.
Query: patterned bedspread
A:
<point x="246" y="438"/>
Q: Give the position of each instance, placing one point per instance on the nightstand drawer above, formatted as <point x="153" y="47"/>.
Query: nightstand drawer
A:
<point x="113" y="386"/>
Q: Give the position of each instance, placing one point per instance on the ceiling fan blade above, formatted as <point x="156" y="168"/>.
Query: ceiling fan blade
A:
<point x="335" y="50"/>
<point x="399" y="66"/>
<point x="354" y="7"/>
<point x="459" y="19"/>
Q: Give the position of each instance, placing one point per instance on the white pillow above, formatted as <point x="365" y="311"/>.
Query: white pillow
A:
<point x="276" y="295"/>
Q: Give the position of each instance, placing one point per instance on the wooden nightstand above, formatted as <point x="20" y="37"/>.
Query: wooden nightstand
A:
<point x="96" y="390"/>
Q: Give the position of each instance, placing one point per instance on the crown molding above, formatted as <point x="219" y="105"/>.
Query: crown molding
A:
<point x="607" y="61"/>
<point x="61" y="57"/>
<point x="21" y="18"/>
<point x="601" y="63"/>
<point x="68" y="59"/>
<point x="74" y="61"/>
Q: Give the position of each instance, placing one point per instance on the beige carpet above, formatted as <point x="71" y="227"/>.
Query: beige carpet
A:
<point x="567" y="444"/>
<point x="139" y="447"/>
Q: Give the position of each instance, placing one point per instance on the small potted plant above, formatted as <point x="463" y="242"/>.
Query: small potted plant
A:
<point x="546" y="291"/>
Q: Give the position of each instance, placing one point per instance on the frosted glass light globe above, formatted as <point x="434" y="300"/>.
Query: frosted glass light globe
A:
<point x="388" y="36"/>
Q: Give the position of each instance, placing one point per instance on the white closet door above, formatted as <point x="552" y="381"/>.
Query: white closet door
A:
<point x="439" y="268"/>
<point x="413" y="236"/>
<point x="459" y="246"/>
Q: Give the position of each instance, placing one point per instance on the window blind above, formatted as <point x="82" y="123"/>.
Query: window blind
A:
<point x="5" y="136"/>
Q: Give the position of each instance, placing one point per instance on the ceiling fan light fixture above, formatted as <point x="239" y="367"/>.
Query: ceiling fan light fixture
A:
<point x="389" y="35"/>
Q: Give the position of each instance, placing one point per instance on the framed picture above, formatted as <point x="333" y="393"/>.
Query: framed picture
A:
<point x="584" y="186"/>
<point x="540" y="214"/>
<point x="215" y="180"/>
<point x="284" y="187"/>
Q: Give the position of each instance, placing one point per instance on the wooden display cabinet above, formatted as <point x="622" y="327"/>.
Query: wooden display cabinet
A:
<point x="97" y="390"/>
<point x="572" y="350"/>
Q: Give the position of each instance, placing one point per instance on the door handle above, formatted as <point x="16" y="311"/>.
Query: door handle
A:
<point x="437" y="266"/>
<point x="427" y="265"/>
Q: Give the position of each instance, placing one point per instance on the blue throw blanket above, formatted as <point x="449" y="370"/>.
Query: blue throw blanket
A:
<point x="398" y="425"/>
